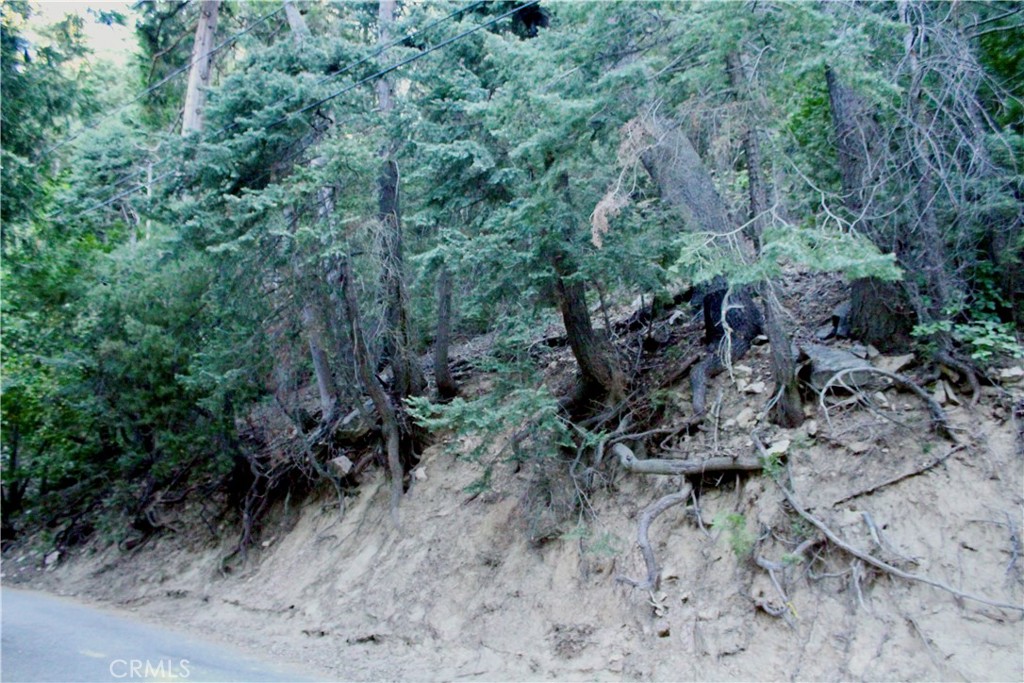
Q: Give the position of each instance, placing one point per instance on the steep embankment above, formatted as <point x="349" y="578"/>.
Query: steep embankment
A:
<point x="459" y="593"/>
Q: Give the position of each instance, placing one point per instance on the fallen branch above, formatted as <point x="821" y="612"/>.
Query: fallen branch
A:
<point x="642" y="539"/>
<point x="938" y="415"/>
<point x="632" y="464"/>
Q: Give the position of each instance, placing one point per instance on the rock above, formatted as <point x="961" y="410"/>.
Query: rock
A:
<point x="945" y="395"/>
<point x="826" y="361"/>
<point x="742" y="370"/>
<point x="811" y="427"/>
<point x="893" y="363"/>
<point x="841" y="319"/>
<point x="745" y="418"/>
<point x="420" y="473"/>
<point x="1011" y="375"/>
<point x="342" y="465"/>
<point x="873" y="353"/>
<point x="52" y="558"/>
<point x="779" y="447"/>
<point x="267" y="543"/>
<point x="825" y="332"/>
<point x="858" y="447"/>
<point x="755" y="388"/>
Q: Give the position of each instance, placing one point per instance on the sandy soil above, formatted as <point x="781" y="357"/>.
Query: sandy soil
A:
<point x="458" y="593"/>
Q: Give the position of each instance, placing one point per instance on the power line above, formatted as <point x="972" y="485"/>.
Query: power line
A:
<point x="120" y="195"/>
<point x="166" y="79"/>
<point x="408" y="60"/>
<point x="323" y="100"/>
<point x="379" y="51"/>
<point x="376" y="53"/>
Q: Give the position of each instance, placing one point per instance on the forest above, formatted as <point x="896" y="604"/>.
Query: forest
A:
<point x="236" y="267"/>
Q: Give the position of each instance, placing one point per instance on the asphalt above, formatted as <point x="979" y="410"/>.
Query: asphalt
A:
<point x="49" y="639"/>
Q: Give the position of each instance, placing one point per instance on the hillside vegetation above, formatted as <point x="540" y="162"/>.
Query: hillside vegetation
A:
<point x="682" y="338"/>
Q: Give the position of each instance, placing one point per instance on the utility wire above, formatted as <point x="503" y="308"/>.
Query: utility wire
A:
<point x="379" y="51"/>
<point x="373" y="55"/>
<point x="346" y="89"/>
<point x="161" y="83"/>
<point x="398" y="65"/>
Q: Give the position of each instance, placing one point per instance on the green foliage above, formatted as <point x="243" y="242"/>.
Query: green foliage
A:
<point x="498" y="417"/>
<point x="773" y="466"/>
<point x="986" y="340"/>
<point x="734" y="526"/>
<point x="135" y="334"/>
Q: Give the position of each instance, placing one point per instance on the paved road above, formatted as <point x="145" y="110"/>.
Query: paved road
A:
<point x="55" y="640"/>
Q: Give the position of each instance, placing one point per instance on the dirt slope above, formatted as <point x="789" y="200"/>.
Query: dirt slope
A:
<point x="458" y="593"/>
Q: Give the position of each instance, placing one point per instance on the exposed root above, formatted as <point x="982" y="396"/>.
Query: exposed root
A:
<point x="965" y="369"/>
<point x="785" y="612"/>
<point x="938" y="415"/>
<point x="900" y="477"/>
<point x="684" y="467"/>
<point x="885" y="566"/>
<point x="646" y="518"/>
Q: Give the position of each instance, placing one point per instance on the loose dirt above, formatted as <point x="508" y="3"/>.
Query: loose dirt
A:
<point x="457" y="592"/>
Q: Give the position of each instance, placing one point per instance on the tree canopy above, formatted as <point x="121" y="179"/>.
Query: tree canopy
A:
<point x="370" y="181"/>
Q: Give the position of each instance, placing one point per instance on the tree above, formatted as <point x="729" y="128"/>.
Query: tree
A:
<point x="202" y="67"/>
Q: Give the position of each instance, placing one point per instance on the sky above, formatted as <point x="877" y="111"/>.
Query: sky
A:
<point x="112" y="43"/>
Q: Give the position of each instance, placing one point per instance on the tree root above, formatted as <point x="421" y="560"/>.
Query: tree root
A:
<point x="947" y="358"/>
<point x="884" y="566"/>
<point x="900" y="477"/>
<point x="939" y="420"/>
<point x="683" y="467"/>
<point x="642" y="539"/>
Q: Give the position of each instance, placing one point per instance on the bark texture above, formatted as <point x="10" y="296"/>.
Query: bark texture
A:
<point x="408" y="376"/>
<point x="601" y="374"/>
<point x="202" y="61"/>
<point x="788" y="409"/>
<point x="731" y="319"/>
<point x="382" y="403"/>
<point x="446" y="386"/>
<point x="880" y="313"/>
<point x="296" y="22"/>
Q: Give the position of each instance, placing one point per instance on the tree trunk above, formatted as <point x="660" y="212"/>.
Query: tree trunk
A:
<point x="321" y="366"/>
<point x="601" y="374"/>
<point x="446" y="387"/>
<point x="880" y="313"/>
<point x="408" y="377"/>
<point x="381" y="401"/>
<point x="202" y="60"/>
<point x="313" y="328"/>
<point x="683" y="182"/>
<point x="788" y="411"/>
<point x="296" y="22"/>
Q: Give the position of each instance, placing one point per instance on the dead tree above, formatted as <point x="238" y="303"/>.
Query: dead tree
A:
<point x="408" y="377"/>
<point x="202" y="61"/>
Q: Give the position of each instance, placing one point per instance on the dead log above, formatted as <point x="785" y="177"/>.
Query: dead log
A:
<point x="687" y="467"/>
